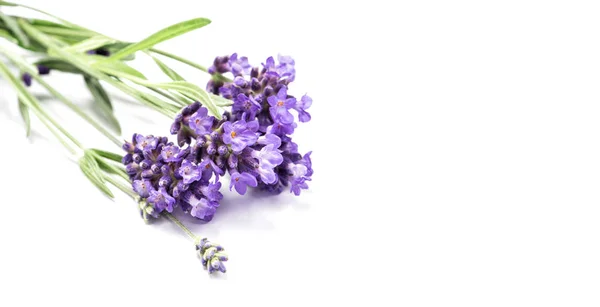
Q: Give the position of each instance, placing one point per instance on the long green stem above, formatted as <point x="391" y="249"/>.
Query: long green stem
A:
<point x="177" y="222"/>
<point x="125" y="189"/>
<point x="180" y="59"/>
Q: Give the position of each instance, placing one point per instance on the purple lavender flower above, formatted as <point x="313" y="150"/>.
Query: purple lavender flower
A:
<point x="269" y="155"/>
<point x="281" y="105"/>
<point x="241" y="181"/>
<point x="240" y="134"/>
<point x="208" y="167"/>
<point x="267" y="173"/>
<point x="146" y="143"/>
<point x="306" y="161"/>
<point x="245" y="104"/>
<point x="301" y="106"/>
<point x="171" y="153"/>
<point x="202" y="208"/>
<point x="189" y="172"/>
<point x="142" y="187"/>
<point x="282" y="129"/>
<point x="298" y="185"/>
<point x="286" y="68"/>
<point x="200" y="122"/>
<point x="211" y="191"/>
<point x="239" y="66"/>
<point x="269" y="139"/>
<point x="161" y="200"/>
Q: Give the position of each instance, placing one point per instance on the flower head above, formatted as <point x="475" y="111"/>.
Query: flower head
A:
<point x="240" y="134"/>
<point x="200" y="122"/>
<point x="241" y="181"/>
<point x="142" y="187"/>
<point x="201" y="207"/>
<point x="161" y="200"/>
<point x="171" y="153"/>
<point x="301" y="106"/>
<point x="146" y="143"/>
<point x="189" y="172"/>
<point x="281" y="105"/>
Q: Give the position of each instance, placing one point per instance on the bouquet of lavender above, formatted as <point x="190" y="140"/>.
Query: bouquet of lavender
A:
<point x="241" y="125"/>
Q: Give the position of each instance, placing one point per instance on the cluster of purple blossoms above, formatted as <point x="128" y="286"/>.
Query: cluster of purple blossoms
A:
<point x="261" y="94"/>
<point x="252" y="143"/>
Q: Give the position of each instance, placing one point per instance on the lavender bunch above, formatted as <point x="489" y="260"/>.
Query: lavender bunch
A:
<point x="252" y="143"/>
<point x="241" y="125"/>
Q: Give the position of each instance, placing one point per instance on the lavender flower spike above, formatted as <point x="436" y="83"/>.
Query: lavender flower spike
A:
<point x="212" y="255"/>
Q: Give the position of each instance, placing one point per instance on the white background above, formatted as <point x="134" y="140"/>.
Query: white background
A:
<point x="455" y="149"/>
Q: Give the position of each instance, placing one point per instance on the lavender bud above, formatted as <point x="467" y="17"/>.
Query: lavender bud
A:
<point x="165" y="169"/>
<point x="215" y="136"/>
<point x="232" y="161"/>
<point x="128" y="158"/>
<point x="254" y="72"/>
<point x="43" y="70"/>
<point x="165" y="181"/>
<point x="175" y="127"/>
<point x="155" y="168"/>
<point x="269" y="91"/>
<point x="194" y="107"/>
<point x="145" y="164"/>
<point x="255" y="85"/>
<point x="239" y="81"/>
<point x="223" y="150"/>
<point x="26" y="78"/>
<point x="128" y="147"/>
<point x="211" y="149"/>
<point x="132" y="169"/>
<point x="137" y="158"/>
<point x="200" y="141"/>
<point x="147" y="174"/>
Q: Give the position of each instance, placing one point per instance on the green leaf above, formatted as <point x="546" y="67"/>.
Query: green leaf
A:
<point x="162" y="35"/>
<point x="220" y="101"/>
<point x="8" y="36"/>
<point x="167" y="70"/>
<point x="91" y="43"/>
<point x="60" y="65"/>
<point x="24" y="110"/>
<point x="195" y="92"/>
<point x="108" y="155"/>
<point x="13" y="26"/>
<point x="102" y="101"/>
<point x="117" y="66"/>
<point x="92" y="171"/>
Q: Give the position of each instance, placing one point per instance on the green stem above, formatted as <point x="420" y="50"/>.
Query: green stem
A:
<point x="180" y="59"/>
<point x="125" y="189"/>
<point x="177" y="222"/>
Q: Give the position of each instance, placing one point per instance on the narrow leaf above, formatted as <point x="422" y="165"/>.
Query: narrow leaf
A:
<point x="108" y="155"/>
<point x="13" y="26"/>
<point x="60" y="65"/>
<point x="8" y="36"/>
<point x="102" y="101"/>
<point x="118" y="66"/>
<point x="167" y="70"/>
<point x="91" y="171"/>
<point x="193" y="91"/>
<point x="91" y="43"/>
<point x="162" y="35"/>
<point x="24" y="110"/>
